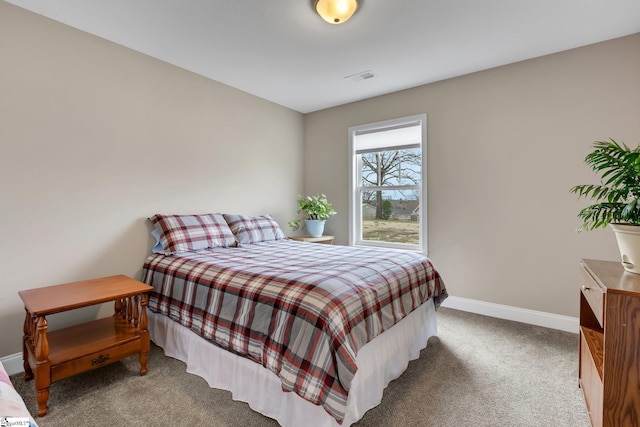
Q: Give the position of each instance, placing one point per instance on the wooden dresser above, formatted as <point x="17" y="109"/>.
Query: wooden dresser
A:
<point x="609" y="371"/>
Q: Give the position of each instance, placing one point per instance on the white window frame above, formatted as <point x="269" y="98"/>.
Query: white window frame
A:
<point x="355" y="188"/>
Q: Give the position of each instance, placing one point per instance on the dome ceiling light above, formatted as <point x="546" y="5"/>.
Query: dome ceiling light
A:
<point x="336" y="11"/>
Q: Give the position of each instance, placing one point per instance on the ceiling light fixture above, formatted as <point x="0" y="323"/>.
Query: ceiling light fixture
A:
<point x="336" y="11"/>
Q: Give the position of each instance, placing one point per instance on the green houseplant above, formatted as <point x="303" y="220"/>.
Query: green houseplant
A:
<point x="616" y="197"/>
<point x="314" y="210"/>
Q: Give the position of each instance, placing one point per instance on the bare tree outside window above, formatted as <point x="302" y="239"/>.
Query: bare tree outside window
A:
<point x="394" y="168"/>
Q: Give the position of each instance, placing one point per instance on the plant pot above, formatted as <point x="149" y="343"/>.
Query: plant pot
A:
<point x="315" y="227"/>
<point x="628" y="237"/>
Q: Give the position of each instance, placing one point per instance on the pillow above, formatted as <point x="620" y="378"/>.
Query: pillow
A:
<point x="157" y="248"/>
<point x="254" y="229"/>
<point x="187" y="233"/>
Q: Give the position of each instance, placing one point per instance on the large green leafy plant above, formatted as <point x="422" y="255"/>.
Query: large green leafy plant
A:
<point x="619" y="189"/>
<point x="312" y="207"/>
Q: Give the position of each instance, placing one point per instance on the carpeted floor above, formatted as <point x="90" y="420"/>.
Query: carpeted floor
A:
<point x="478" y="371"/>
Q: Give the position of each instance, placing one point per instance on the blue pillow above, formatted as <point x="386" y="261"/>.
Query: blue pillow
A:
<point x="157" y="248"/>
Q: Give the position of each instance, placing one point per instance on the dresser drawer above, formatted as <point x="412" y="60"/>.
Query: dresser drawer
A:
<point x="593" y="293"/>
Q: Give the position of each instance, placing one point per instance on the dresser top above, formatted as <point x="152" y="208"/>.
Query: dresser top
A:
<point x="612" y="276"/>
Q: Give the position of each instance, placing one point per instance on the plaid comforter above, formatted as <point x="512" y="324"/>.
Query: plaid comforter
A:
<point x="302" y="310"/>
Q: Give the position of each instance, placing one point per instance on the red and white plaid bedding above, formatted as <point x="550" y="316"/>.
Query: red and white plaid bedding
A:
<point x="302" y="310"/>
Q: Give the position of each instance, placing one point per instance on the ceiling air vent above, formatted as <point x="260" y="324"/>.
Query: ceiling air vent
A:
<point x="364" y="75"/>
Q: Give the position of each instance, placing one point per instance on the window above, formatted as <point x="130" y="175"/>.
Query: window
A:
<point x="388" y="188"/>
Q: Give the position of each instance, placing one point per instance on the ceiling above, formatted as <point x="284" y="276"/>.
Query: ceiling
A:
<point x="282" y="51"/>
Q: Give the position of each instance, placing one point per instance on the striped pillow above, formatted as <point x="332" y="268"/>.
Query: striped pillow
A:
<point x="187" y="233"/>
<point x="254" y="229"/>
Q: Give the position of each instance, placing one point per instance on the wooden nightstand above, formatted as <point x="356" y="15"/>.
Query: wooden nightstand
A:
<point x="322" y="239"/>
<point x="52" y="356"/>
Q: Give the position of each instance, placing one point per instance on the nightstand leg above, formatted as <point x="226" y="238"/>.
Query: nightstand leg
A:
<point x="145" y="345"/>
<point x="42" y="396"/>
<point x="27" y="338"/>
<point x="144" y="357"/>
<point x="43" y="366"/>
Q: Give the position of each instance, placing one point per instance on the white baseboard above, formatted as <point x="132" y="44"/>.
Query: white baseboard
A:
<point x="533" y="317"/>
<point x="12" y="363"/>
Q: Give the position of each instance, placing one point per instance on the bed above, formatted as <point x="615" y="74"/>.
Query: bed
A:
<point x="306" y="334"/>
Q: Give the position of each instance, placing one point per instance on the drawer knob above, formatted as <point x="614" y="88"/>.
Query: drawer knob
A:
<point x="100" y="359"/>
<point x="585" y="288"/>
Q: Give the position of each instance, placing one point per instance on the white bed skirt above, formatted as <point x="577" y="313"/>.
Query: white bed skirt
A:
<point x="379" y="362"/>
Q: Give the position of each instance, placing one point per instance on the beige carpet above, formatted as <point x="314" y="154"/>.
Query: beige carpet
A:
<point x="478" y="371"/>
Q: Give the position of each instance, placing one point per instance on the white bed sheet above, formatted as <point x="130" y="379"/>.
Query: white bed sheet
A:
<point x="380" y="361"/>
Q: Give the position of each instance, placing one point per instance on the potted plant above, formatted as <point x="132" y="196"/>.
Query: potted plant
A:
<point x="314" y="210"/>
<point x="616" y="196"/>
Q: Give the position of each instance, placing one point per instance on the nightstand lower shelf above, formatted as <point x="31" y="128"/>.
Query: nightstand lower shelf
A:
<point x="90" y="345"/>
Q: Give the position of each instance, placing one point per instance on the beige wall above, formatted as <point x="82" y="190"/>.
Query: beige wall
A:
<point x="504" y="147"/>
<point x="94" y="138"/>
